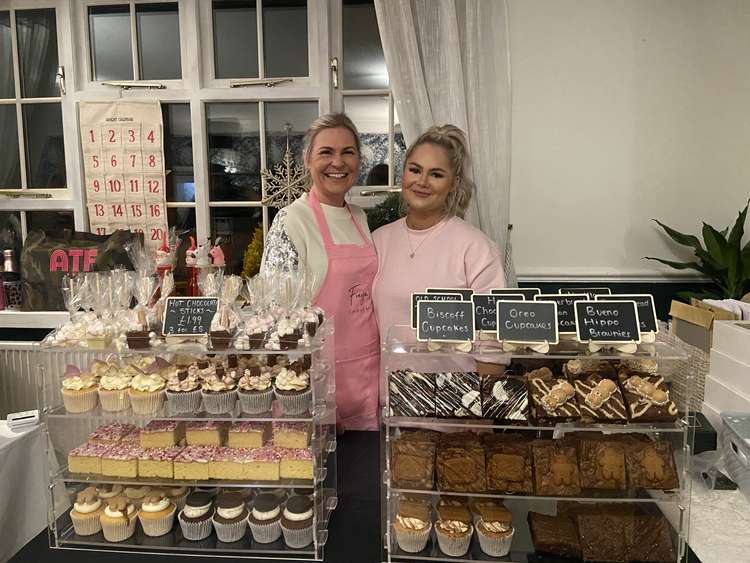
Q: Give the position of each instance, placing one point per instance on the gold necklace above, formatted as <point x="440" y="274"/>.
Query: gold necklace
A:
<point x="412" y="250"/>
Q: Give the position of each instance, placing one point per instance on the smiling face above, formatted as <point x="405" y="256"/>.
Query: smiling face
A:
<point x="333" y="162"/>
<point x="428" y="179"/>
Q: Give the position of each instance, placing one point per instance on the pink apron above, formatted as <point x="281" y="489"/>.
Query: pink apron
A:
<point x="346" y="294"/>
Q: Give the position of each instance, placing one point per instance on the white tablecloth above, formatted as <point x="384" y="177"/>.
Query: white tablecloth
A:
<point x="23" y="486"/>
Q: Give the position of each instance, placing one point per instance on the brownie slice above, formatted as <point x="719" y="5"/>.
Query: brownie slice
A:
<point x="461" y="469"/>
<point x="649" y="539"/>
<point x="651" y="466"/>
<point x="602" y="538"/>
<point x="505" y="398"/>
<point x="602" y="464"/>
<point x="509" y="467"/>
<point x="552" y="399"/>
<point x="411" y="393"/>
<point x="413" y="464"/>
<point x="600" y="400"/>
<point x="647" y="397"/>
<point x="458" y="395"/>
<point x="556" y="469"/>
<point x="554" y="535"/>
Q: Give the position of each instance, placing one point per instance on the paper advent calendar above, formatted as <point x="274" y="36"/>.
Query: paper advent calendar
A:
<point x="123" y="155"/>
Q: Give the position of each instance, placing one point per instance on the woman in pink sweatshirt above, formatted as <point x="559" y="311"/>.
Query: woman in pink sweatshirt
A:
<point x="432" y="246"/>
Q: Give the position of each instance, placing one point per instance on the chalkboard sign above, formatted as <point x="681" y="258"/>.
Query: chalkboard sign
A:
<point x="566" y="315"/>
<point x="607" y="321"/>
<point x="189" y="316"/>
<point x="527" y="292"/>
<point x="485" y="310"/>
<point x="417" y="297"/>
<point x="646" y="308"/>
<point x="592" y="292"/>
<point x="449" y="321"/>
<point x="465" y="293"/>
<point x="527" y="321"/>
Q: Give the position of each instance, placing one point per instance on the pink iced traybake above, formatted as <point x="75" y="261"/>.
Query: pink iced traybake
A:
<point x="87" y="458"/>
<point x="247" y="435"/>
<point x="296" y="463"/>
<point x="121" y="460"/>
<point x="204" y="433"/>
<point x="263" y="464"/>
<point x="133" y="438"/>
<point x="291" y="434"/>
<point x="161" y="434"/>
<point x="192" y="463"/>
<point x="229" y="463"/>
<point x="111" y="433"/>
<point x="158" y="462"/>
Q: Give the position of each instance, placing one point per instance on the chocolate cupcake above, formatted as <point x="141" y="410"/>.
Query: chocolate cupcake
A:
<point x="195" y="518"/>
<point x="230" y="520"/>
<point x="184" y="393"/>
<point x="293" y="392"/>
<point x="297" y="522"/>
<point x="255" y="391"/>
<point x="265" y="519"/>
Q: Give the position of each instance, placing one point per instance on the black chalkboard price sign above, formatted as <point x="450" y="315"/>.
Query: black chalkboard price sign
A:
<point x="485" y="309"/>
<point x="527" y="322"/>
<point x="417" y="297"/>
<point x="466" y="293"/>
<point x="607" y="321"/>
<point x="527" y="292"/>
<point x="592" y="292"/>
<point x="189" y="316"/>
<point x="566" y="315"/>
<point x="646" y="308"/>
<point x="448" y="321"/>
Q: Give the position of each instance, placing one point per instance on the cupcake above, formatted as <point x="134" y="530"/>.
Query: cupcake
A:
<point x="265" y="519"/>
<point x="146" y="394"/>
<point x="230" y="519"/>
<point x="135" y="495"/>
<point x="454" y="529"/>
<point x="255" y="391"/>
<point x="113" y="391"/>
<point x="494" y="529"/>
<point x="156" y="515"/>
<point x="108" y="491"/>
<point x="219" y="394"/>
<point x="86" y="512"/>
<point x="79" y="393"/>
<point x="118" y="519"/>
<point x="177" y="495"/>
<point x="183" y="393"/>
<point x="297" y="522"/>
<point x="293" y="392"/>
<point x="195" y="518"/>
<point x="412" y="526"/>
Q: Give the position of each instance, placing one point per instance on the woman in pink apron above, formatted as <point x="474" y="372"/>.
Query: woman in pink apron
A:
<point x="322" y="233"/>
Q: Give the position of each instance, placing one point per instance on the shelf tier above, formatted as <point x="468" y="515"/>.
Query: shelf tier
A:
<point x="433" y="553"/>
<point x="67" y="477"/>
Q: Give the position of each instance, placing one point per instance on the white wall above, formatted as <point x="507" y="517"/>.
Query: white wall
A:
<point x="625" y="110"/>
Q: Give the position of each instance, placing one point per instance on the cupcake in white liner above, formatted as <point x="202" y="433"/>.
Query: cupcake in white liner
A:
<point x="118" y="519"/>
<point x="107" y="491"/>
<point x="265" y="519"/>
<point x="113" y="391"/>
<point x="146" y="394"/>
<point x="219" y="393"/>
<point x="183" y="393"/>
<point x="493" y="527"/>
<point x="297" y="522"/>
<point x="293" y="392"/>
<point x="230" y="519"/>
<point x="412" y="526"/>
<point x="178" y="495"/>
<point x="195" y="518"/>
<point x="135" y="495"/>
<point x="86" y="512"/>
<point x="454" y="529"/>
<point x="157" y="515"/>
<point x="255" y="391"/>
<point x="79" y="393"/>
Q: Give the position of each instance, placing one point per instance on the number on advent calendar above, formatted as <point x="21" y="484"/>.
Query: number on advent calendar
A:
<point x="152" y="162"/>
<point x="153" y="188"/>
<point x="133" y="162"/>
<point x="131" y="136"/>
<point x="134" y="189"/>
<point x="136" y="213"/>
<point x="95" y="189"/>
<point x="115" y="186"/>
<point x="117" y="213"/>
<point x="93" y="163"/>
<point x="97" y="212"/>
<point x="155" y="234"/>
<point x="111" y="136"/>
<point x="99" y="228"/>
<point x="90" y="140"/>
<point x="151" y="136"/>
<point x="114" y="162"/>
<point x="155" y="213"/>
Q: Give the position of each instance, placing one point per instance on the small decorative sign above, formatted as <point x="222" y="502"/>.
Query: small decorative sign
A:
<point x="466" y="293"/>
<point x="607" y="321"/>
<point x="189" y="316"/>
<point x="527" y="322"/>
<point x="485" y="309"/>
<point x="445" y="321"/>
<point x="592" y="292"/>
<point x="417" y="297"/>
<point x="566" y="316"/>
<point x="646" y="308"/>
<point x="528" y="292"/>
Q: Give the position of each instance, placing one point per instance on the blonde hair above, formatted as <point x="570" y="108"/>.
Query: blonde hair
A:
<point x="453" y="140"/>
<point x="327" y="121"/>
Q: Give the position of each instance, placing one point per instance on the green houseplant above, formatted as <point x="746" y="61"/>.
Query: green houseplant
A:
<point x="721" y="257"/>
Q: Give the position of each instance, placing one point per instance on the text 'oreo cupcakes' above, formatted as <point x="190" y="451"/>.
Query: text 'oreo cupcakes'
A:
<point x="265" y="519"/>
<point x="293" y="392"/>
<point x="230" y="519"/>
<point x="297" y="522"/>
<point x="195" y="518"/>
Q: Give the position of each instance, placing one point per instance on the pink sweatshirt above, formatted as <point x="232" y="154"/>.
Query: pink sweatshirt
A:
<point x="453" y="253"/>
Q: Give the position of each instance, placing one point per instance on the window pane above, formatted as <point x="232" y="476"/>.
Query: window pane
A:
<point x="10" y="166"/>
<point x="183" y="220"/>
<point x="45" y="151"/>
<point x="111" y="50"/>
<point x="158" y="41"/>
<point x="178" y="152"/>
<point x="235" y="225"/>
<point x="364" y="63"/>
<point x="280" y="117"/>
<point x="233" y="151"/>
<point x="37" y="49"/>
<point x="7" y="84"/>
<point x="285" y="38"/>
<point x="51" y="221"/>
<point x="370" y="115"/>
<point x="10" y="231"/>
<point x="235" y="39"/>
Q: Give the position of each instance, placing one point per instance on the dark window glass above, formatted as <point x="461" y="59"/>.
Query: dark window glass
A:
<point x="37" y="49"/>
<point x="109" y="40"/>
<point x="235" y="38"/>
<point x="294" y="117"/>
<point x="183" y="220"/>
<point x="285" y="38"/>
<point x="370" y="115"/>
<point x="7" y="83"/>
<point x="10" y="167"/>
<point x="54" y="222"/>
<point x="235" y="226"/>
<point x="10" y="231"/>
<point x="233" y="151"/>
<point x="45" y="151"/>
<point x="178" y="152"/>
<point x="364" y="63"/>
<point x="158" y="41"/>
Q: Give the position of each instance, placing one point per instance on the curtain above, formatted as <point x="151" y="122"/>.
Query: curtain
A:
<point x="448" y="62"/>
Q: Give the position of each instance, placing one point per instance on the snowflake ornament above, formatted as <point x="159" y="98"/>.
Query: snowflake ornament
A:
<point x="286" y="182"/>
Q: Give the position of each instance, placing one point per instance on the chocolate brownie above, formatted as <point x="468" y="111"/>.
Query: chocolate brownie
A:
<point x="647" y="397"/>
<point x="649" y="539"/>
<point x="602" y="464"/>
<point x="461" y="469"/>
<point x="600" y="400"/>
<point x="412" y="464"/>
<point x="555" y="469"/>
<point x="458" y="395"/>
<point x="602" y="538"/>
<point x="554" y="535"/>
<point x="651" y="466"/>
<point x="509" y="467"/>
<point x="552" y="399"/>
<point x="411" y="393"/>
<point x="505" y="398"/>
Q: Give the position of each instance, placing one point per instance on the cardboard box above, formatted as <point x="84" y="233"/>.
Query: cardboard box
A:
<point x="729" y="371"/>
<point x="723" y="398"/>
<point x="694" y="323"/>
<point x="732" y="338"/>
